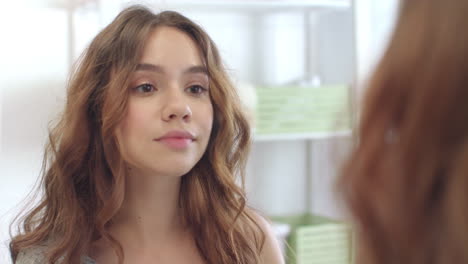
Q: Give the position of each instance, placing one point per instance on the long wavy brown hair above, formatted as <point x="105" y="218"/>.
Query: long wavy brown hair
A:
<point x="406" y="183"/>
<point x="83" y="176"/>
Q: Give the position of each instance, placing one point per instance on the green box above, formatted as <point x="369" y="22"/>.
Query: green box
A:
<point x="317" y="240"/>
<point x="297" y="109"/>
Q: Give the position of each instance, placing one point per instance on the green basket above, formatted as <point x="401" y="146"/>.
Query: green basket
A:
<point x="292" y="109"/>
<point x="317" y="240"/>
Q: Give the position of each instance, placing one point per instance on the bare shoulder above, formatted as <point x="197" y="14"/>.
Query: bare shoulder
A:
<point x="271" y="252"/>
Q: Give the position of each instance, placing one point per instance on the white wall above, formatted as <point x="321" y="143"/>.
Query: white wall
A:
<point x="374" y="24"/>
<point x="33" y="68"/>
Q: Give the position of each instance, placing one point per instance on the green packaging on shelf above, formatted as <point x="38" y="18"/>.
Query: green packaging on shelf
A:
<point x="317" y="240"/>
<point x="295" y="109"/>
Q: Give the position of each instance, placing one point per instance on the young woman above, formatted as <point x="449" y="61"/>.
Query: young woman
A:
<point x="142" y="166"/>
<point x="406" y="183"/>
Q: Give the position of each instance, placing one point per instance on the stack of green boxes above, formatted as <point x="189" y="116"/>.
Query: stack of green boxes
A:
<point x="302" y="110"/>
<point x="317" y="240"/>
<point x="291" y="109"/>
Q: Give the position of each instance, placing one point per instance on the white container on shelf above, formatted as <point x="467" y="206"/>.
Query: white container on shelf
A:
<point x="248" y="98"/>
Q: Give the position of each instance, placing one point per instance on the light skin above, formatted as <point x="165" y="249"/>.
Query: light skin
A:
<point x="169" y="94"/>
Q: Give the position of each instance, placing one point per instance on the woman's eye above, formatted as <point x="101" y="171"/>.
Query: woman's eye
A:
<point x="197" y="89"/>
<point x="145" y="88"/>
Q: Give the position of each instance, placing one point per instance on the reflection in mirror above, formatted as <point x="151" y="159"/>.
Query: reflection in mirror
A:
<point x="270" y="50"/>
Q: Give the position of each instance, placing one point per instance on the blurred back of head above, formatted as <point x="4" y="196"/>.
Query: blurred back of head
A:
<point x="406" y="182"/>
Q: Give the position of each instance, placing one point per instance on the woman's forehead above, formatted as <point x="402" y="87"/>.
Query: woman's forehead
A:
<point x="169" y="46"/>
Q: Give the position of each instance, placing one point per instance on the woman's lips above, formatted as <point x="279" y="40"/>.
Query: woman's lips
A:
<point x="177" y="139"/>
<point x="176" y="143"/>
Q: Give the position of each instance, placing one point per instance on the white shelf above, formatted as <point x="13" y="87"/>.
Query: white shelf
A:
<point x="301" y="136"/>
<point x="257" y="5"/>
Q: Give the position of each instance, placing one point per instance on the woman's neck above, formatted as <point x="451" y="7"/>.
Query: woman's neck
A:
<point x="150" y="213"/>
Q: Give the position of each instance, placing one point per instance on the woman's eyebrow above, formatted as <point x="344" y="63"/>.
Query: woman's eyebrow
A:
<point x="160" y="69"/>
<point x="149" y="67"/>
<point x="197" y="69"/>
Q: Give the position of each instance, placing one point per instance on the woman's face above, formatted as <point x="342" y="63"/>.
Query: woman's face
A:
<point x="169" y="119"/>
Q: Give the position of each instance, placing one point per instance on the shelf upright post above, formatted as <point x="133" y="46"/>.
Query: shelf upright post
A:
<point x="71" y="32"/>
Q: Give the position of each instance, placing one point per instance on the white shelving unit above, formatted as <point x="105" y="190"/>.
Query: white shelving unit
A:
<point x="259" y="5"/>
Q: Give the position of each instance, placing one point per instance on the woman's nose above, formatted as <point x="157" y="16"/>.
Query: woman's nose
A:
<point x="176" y="107"/>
